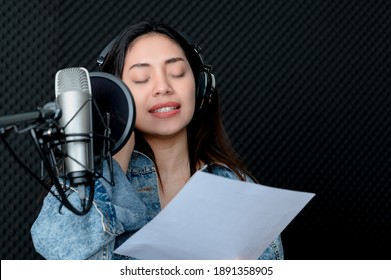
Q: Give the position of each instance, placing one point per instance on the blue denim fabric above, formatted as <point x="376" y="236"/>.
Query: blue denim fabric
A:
<point x="117" y="213"/>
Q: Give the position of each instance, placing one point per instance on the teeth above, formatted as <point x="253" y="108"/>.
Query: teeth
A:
<point x="164" y="110"/>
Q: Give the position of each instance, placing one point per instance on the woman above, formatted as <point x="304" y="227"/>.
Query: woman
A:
<point x="178" y="131"/>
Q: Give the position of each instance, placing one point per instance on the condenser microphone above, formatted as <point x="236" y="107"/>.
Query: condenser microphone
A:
<point x="73" y="95"/>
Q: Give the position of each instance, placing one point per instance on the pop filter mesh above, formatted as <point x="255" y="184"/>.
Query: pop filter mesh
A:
<point x="115" y="110"/>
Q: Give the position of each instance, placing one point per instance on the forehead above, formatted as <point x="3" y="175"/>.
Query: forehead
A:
<point x="153" y="45"/>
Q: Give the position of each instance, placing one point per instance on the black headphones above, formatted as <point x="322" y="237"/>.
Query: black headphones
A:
<point x="206" y="86"/>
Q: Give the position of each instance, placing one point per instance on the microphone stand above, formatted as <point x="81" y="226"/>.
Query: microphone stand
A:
<point x="48" y="138"/>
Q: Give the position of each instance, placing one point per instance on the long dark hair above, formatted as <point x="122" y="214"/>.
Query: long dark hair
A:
<point x="208" y="141"/>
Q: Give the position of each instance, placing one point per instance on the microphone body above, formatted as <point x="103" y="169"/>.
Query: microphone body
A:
<point x="73" y="95"/>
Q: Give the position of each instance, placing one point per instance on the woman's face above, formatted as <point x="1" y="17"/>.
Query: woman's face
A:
<point x="161" y="80"/>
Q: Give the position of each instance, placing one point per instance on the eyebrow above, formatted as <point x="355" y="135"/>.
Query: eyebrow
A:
<point x="168" y="61"/>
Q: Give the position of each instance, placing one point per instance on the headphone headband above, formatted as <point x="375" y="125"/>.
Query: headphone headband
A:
<point x="102" y="57"/>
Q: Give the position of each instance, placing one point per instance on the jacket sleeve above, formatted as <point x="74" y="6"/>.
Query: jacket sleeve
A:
<point x="275" y="251"/>
<point x="58" y="233"/>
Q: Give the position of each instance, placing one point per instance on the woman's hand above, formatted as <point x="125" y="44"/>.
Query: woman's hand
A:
<point x="122" y="157"/>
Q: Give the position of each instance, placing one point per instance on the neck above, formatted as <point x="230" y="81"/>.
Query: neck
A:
<point x="170" y="152"/>
<point x="172" y="161"/>
<point x="171" y="157"/>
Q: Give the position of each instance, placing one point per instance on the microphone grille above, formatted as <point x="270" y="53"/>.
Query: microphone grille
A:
<point x="72" y="79"/>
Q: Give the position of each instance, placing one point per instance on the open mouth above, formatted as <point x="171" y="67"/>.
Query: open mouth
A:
<point x="165" y="109"/>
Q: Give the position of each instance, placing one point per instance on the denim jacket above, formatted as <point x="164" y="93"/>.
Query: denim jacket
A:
<point x="116" y="214"/>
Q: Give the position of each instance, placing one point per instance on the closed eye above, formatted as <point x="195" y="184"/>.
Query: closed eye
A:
<point x="141" y="81"/>
<point x="178" y="75"/>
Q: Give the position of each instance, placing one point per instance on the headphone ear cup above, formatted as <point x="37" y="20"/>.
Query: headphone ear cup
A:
<point x="202" y="90"/>
<point x="205" y="89"/>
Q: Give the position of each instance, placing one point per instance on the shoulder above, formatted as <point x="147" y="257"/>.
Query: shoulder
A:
<point x="140" y="163"/>
<point x="224" y="171"/>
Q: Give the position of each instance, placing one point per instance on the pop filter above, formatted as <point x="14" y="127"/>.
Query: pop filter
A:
<point x="114" y="112"/>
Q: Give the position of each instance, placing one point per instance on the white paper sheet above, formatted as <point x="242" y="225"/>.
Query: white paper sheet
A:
<point x="215" y="218"/>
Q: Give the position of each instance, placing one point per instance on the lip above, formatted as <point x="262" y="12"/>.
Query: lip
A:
<point x="162" y="115"/>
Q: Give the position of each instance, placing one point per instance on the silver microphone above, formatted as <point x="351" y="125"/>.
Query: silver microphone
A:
<point x="73" y="95"/>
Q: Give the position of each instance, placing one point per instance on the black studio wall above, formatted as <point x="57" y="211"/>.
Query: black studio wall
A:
<point x="305" y="93"/>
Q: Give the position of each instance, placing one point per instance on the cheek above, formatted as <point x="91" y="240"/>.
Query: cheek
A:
<point x="138" y="103"/>
<point x="136" y="97"/>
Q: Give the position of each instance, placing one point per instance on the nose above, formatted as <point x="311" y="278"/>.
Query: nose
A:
<point x="162" y="85"/>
